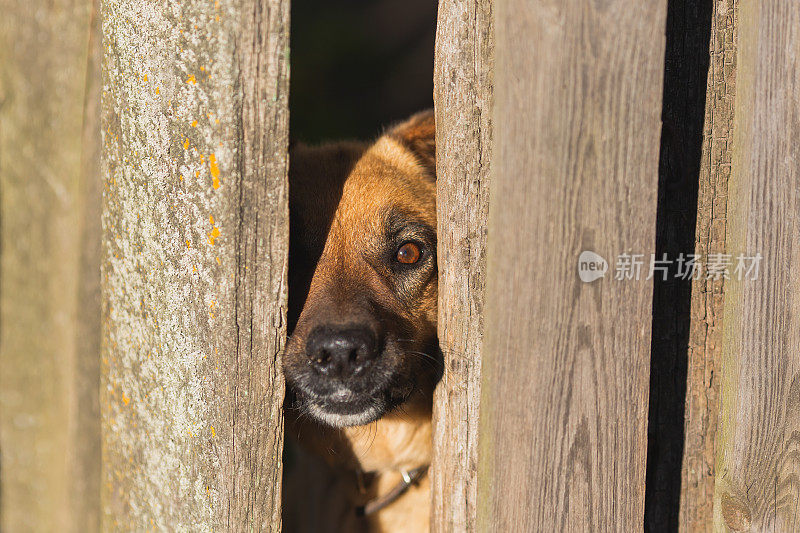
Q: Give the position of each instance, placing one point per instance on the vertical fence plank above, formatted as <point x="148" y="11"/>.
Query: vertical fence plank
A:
<point x="50" y="318"/>
<point x="758" y="448"/>
<point x="194" y="263"/>
<point x="565" y="370"/>
<point x="705" y="337"/>
<point x="463" y="98"/>
<point x="85" y="454"/>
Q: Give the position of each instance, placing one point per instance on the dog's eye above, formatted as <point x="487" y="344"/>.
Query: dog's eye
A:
<point x="408" y="254"/>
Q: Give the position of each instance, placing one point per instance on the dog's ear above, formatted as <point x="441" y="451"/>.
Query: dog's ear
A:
<point x="418" y="135"/>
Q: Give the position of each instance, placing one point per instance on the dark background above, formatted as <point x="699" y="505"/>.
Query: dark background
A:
<point x="359" y="65"/>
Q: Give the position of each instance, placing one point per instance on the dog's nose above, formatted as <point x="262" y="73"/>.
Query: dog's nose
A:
<point x="341" y="352"/>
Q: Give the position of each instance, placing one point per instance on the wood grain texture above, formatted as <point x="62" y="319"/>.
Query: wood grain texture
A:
<point x="564" y="388"/>
<point x="463" y="100"/>
<point x="707" y="300"/>
<point x="49" y="286"/>
<point x="758" y="441"/>
<point x="194" y="263"/>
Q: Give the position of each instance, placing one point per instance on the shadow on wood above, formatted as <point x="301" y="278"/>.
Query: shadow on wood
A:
<point x="685" y="72"/>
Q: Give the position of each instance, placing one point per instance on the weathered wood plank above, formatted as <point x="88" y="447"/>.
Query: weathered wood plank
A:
<point x="49" y="286"/>
<point x="758" y="440"/>
<point x="194" y="263"/>
<point x="565" y="369"/>
<point x="705" y="337"/>
<point x="463" y="100"/>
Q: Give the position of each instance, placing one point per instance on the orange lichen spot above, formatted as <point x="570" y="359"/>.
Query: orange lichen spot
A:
<point x="194" y="269"/>
<point x="125" y="399"/>
<point x="213" y="235"/>
<point x="194" y="123"/>
<point x="213" y="434"/>
<point x="218" y="261"/>
<point x="211" y="219"/>
<point x="158" y="90"/>
<point x="217" y="17"/>
<point x="191" y="79"/>
<point x="188" y="243"/>
<point x="196" y="173"/>
<point x="216" y="4"/>
<point x="212" y="159"/>
<point x="145" y="77"/>
<point x="202" y="69"/>
<point x="186" y="144"/>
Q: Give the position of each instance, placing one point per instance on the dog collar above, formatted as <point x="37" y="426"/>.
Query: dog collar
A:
<point x="410" y="477"/>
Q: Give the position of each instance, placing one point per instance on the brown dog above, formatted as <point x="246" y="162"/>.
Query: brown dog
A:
<point x="362" y="359"/>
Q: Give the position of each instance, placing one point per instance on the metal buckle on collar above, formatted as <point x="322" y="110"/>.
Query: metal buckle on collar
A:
<point x="410" y="477"/>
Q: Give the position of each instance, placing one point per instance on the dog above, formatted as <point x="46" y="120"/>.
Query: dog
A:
<point x="362" y="359"/>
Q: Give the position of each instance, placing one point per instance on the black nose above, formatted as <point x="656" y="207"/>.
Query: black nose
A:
<point x="341" y="352"/>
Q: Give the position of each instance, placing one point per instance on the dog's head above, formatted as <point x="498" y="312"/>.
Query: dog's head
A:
<point x="363" y="278"/>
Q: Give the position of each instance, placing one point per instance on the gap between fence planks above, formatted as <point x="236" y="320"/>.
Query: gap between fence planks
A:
<point x="566" y="364"/>
<point x="195" y="221"/>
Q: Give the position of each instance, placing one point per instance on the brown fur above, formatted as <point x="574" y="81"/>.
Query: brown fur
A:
<point x="340" y="196"/>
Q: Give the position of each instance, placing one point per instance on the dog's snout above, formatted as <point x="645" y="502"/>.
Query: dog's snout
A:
<point x="341" y="352"/>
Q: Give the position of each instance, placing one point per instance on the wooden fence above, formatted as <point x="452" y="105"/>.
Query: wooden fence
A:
<point x="140" y="348"/>
<point x="49" y="266"/>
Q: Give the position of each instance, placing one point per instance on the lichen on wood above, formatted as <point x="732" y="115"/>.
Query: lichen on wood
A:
<point x="194" y="264"/>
